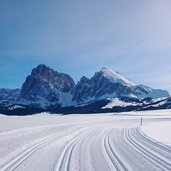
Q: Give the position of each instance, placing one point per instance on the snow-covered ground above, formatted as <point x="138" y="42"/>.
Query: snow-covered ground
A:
<point x="100" y="142"/>
<point x="159" y="132"/>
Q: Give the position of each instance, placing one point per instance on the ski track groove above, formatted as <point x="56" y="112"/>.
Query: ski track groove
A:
<point x="68" y="149"/>
<point x="152" y="148"/>
<point x="118" y="165"/>
<point x="15" y="162"/>
<point x="146" y="152"/>
<point x="153" y="142"/>
<point x="12" y="165"/>
<point x="134" y="138"/>
<point x="87" y="139"/>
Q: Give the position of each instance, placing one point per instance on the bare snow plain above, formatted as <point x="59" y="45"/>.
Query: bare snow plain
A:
<point x="89" y="142"/>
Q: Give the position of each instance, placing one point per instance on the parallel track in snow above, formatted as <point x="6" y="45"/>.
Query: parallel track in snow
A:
<point x="80" y="139"/>
<point x="146" y="151"/>
<point x="63" y="162"/>
<point x="115" y="163"/>
<point x="13" y="164"/>
<point x="156" y="144"/>
<point x="19" y="159"/>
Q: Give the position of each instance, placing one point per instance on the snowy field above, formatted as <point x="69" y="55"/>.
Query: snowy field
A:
<point x="100" y="142"/>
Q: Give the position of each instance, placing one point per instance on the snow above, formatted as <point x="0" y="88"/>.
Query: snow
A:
<point x="158" y="99"/>
<point x="99" y="142"/>
<point x="149" y="113"/>
<point x="116" y="77"/>
<point x="159" y="104"/>
<point x="159" y="131"/>
<point x="16" y="107"/>
<point x="117" y="102"/>
<point x="65" y="99"/>
<point x="153" y="93"/>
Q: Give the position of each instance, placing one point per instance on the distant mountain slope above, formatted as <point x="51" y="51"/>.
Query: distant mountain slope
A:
<point x="9" y="96"/>
<point x="108" y="84"/>
<point x="48" y="90"/>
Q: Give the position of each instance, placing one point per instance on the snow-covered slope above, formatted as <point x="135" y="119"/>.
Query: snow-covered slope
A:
<point x="116" y="77"/>
<point x="116" y="102"/>
<point x="146" y="92"/>
<point x="158" y="104"/>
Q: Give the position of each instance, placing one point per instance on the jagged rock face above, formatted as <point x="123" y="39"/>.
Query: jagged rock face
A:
<point x="45" y="85"/>
<point x="97" y="88"/>
<point x="109" y="84"/>
<point x="61" y="81"/>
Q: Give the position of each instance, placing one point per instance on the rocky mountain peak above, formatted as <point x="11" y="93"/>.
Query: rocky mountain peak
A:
<point x="44" y="72"/>
<point x="45" y="85"/>
<point x="103" y="69"/>
<point x="84" y="80"/>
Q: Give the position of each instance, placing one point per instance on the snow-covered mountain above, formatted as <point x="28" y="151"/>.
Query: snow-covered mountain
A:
<point x="109" y="84"/>
<point x="46" y="89"/>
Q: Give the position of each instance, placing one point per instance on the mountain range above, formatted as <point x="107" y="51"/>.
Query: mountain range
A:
<point x="107" y="91"/>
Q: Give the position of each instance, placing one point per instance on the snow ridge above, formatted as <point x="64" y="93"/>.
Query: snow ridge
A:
<point x="116" y="77"/>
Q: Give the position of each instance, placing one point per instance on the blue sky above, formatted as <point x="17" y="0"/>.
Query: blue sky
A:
<point x="79" y="37"/>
